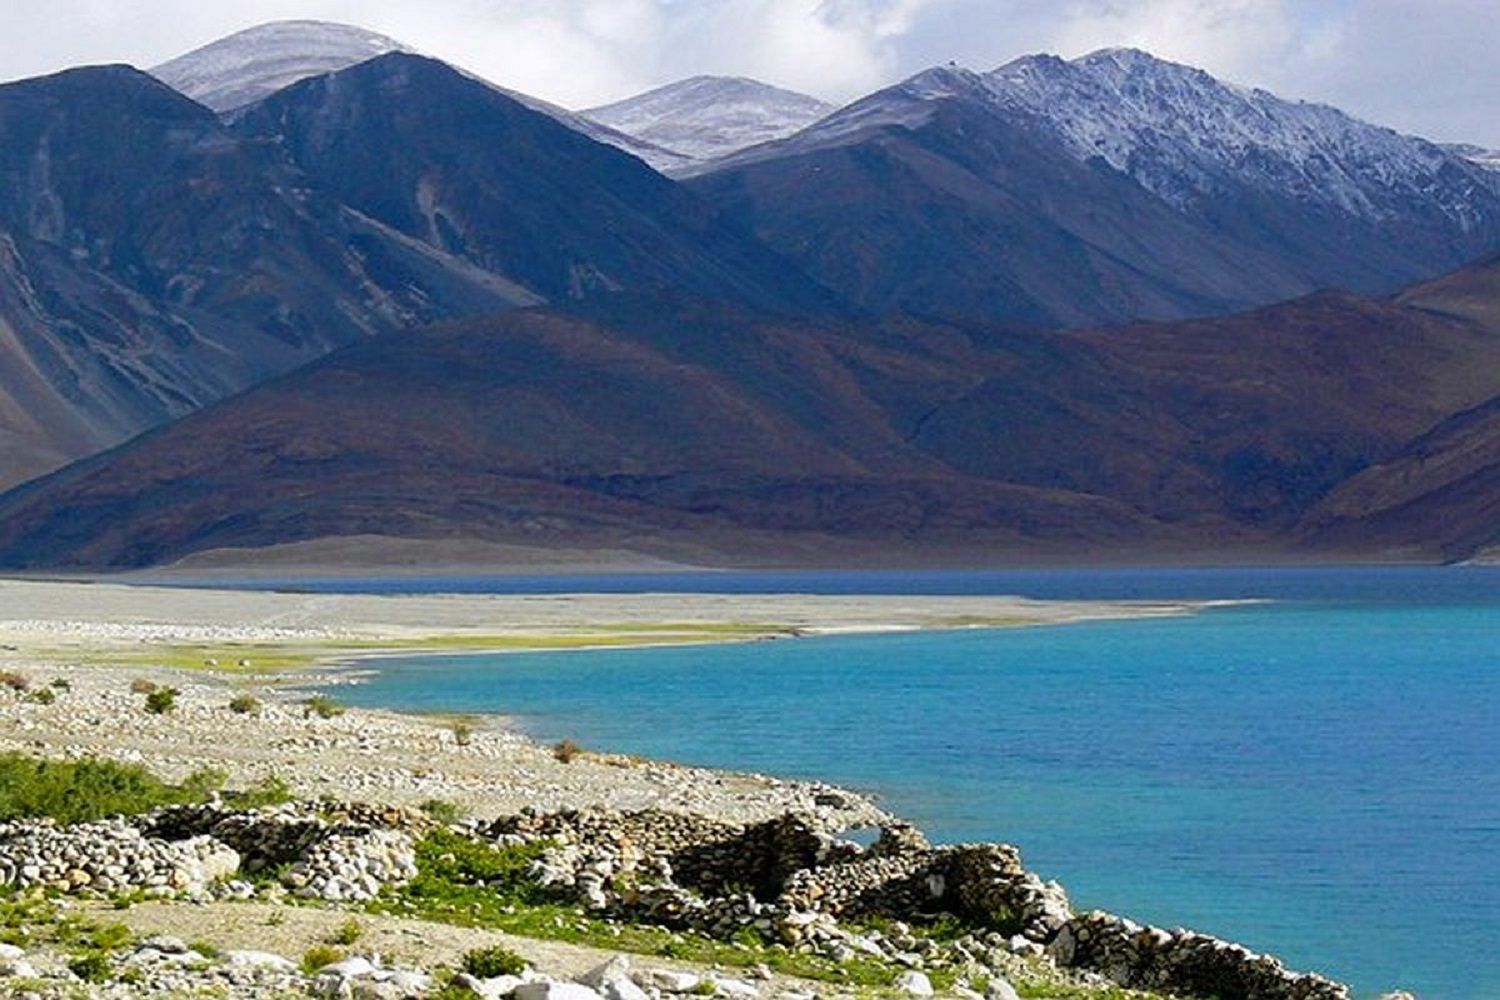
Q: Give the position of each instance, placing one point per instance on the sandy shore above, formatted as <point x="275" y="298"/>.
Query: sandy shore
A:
<point x="100" y="638"/>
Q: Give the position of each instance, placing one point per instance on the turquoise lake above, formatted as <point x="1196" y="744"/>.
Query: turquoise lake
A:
<point x="1318" y="777"/>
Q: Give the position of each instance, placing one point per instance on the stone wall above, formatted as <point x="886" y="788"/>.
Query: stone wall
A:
<point x="193" y="850"/>
<point x="790" y="880"/>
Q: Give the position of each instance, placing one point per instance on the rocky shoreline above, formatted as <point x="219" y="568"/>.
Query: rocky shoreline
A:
<point x="622" y="843"/>
<point x="789" y="882"/>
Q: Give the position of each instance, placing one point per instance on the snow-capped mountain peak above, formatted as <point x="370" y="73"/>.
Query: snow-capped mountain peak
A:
<point x="249" y="65"/>
<point x="1185" y="135"/>
<point x="1487" y="158"/>
<point x="707" y="117"/>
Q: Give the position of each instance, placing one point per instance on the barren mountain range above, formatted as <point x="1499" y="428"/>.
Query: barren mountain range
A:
<point x="1106" y="308"/>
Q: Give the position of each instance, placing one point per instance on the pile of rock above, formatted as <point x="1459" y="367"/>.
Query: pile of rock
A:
<point x="792" y="881"/>
<point x="197" y="850"/>
<point x="354" y="867"/>
<point x="1181" y="961"/>
<point x="109" y="857"/>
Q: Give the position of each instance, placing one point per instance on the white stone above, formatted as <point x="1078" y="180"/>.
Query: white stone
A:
<point x="9" y="952"/>
<point x="735" y="989"/>
<point x="165" y="944"/>
<point x="1001" y="989"/>
<point x="349" y="968"/>
<point x="914" y="983"/>
<point x="259" y="960"/>
<point x="554" y="991"/>
<point x="672" y="981"/>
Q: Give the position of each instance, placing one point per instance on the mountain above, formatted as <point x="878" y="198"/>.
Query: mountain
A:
<point x="685" y="430"/>
<point x="708" y="117"/>
<point x="248" y="66"/>
<point x="1487" y="158"/>
<point x="154" y="259"/>
<point x="1443" y="488"/>
<point x="151" y="262"/>
<point x="1112" y="187"/>
<point x="463" y="168"/>
<point x="253" y="64"/>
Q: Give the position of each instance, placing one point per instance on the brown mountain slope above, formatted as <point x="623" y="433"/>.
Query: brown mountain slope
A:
<point x="1440" y="495"/>
<point x="691" y="430"/>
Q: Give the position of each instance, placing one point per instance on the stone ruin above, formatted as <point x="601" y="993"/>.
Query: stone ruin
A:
<point x="792" y="880"/>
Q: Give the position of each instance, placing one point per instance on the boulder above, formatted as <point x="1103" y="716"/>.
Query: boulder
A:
<point x="554" y="991"/>
<point x="914" y="983"/>
<point x="259" y="960"/>
<point x="1001" y="989"/>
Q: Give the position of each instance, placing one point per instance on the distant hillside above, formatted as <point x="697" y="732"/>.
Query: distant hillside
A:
<point x="686" y="431"/>
<point x="153" y="259"/>
<point x="708" y="117"/>
<point x="150" y="263"/>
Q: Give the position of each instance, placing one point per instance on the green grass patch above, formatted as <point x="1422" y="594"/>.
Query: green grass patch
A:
<point x="262" y="657"/>
<point x="79" y="791"/>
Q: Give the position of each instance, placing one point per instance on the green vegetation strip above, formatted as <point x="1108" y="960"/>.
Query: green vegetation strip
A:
<point x="260" y="657"/>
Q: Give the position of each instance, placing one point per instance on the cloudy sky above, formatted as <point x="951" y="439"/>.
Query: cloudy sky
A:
<point x="1424" y="66"/>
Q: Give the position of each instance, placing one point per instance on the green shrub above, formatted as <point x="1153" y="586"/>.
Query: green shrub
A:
<point x="78" y="791"/>
<point x="442" y="811"/>
<point x="42" y="696"/>
<point x="348" y="933"/>
<point x="320" y="955"/>
<point x="496" y="960"/>
<point x="244" y="704"/>
<point x="161" y="701"/>
<point x="107" y="937"/>
<point x="322" y="706"/>
<point x="91" y="968"/>
<point x="204" y="782"/>
<point x="62" y="683"/>
<point x="207" y="949"/>
<point x="268" y="791"/>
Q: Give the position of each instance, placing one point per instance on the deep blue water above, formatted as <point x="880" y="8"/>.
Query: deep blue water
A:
<point x="1318" y="777"/>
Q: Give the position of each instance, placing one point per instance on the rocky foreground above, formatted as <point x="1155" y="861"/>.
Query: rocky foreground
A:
<point x="963" y="919"/>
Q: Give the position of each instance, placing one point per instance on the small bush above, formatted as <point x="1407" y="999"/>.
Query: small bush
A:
<point x="42" y="696"/>
<point x="319" y="956"/>
<point x="161" y="701"/>
<point x="443" y="811"/>
<point x="142" y="686"/>
<point x="207" y="949"/>
<point x="268" y="791"/>
<point x="348" y="933"/>
<point x="110" y="936"/>
<point x="15" y="681"/>
<point x="91" y="968"/>
<point x="463" y="733"/>
<point x="322" y="706"/>
<point x="567" y="751"/>
<point x="204" y="782"/>
<point x="244" y="704"/>
<point x="487" y="963"/>
<point x="62" y="684"/>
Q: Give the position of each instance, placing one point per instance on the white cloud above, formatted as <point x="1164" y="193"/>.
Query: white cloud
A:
<point x="1231" y="38"/>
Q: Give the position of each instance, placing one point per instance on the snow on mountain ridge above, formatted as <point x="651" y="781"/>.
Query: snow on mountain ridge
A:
<point x="1180" y="132"/>
<point x="707" y="117"/>
<point x="1185" y="136"/>
<point x="246" y="67"/>
<point x="253" y="64"/>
